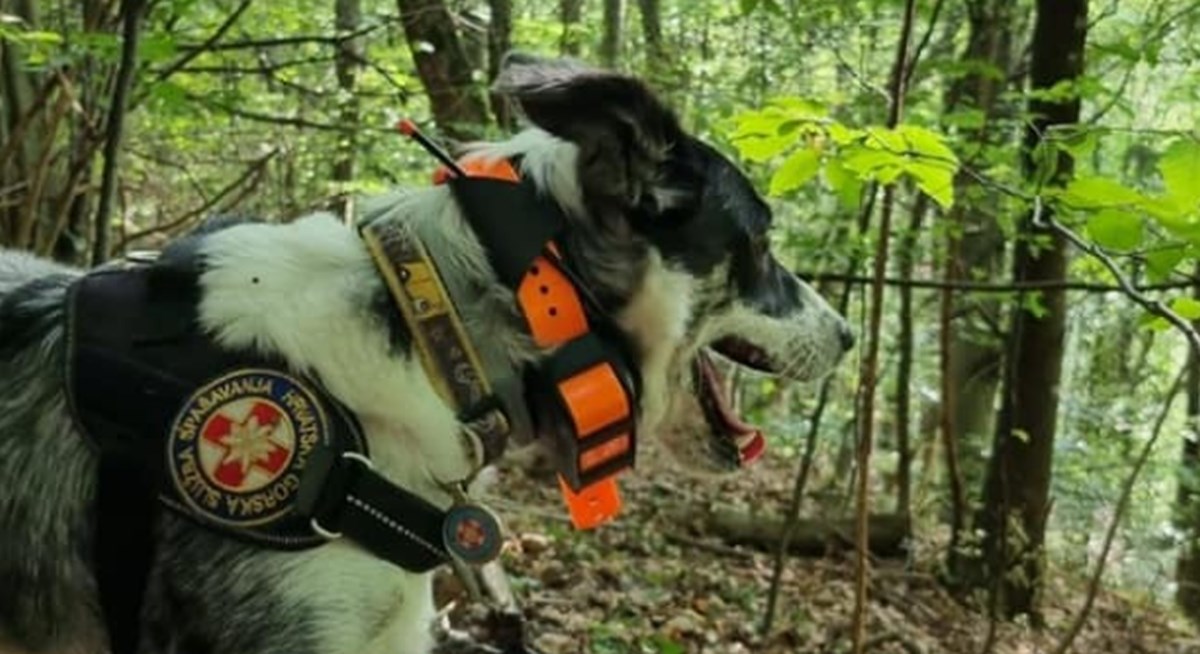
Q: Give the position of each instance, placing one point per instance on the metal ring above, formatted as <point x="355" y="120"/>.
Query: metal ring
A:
<point x="323" y="532"/>
<point x="360" y="458"/>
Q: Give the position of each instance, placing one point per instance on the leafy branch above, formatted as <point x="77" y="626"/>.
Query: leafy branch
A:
<point x="1155" y="307"/>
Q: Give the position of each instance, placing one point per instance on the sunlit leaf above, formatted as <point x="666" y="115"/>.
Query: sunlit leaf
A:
<point x="763" y="148"/>
<point x="845" y="184"/>
<point x="1186" y="307"/>
<point x="1180" y="168"/>
<point x="1100" y="193"/>
<point x="796" y="171"/>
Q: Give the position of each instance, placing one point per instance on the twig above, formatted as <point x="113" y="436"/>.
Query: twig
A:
<point x="115" y="125"/>
<point x="208" y="44"/>
<point x="1122" y="505"/>
<point x="870" y="363"/>
<point x="810" y="443"/>
<point x="254" y="171"/>
<point x="1155" y="307"/>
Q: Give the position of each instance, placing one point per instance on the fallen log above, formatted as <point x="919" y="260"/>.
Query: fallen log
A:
<point x="888" y="533"/>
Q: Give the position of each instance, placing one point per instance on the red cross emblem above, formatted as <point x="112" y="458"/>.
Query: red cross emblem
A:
<point x="247" y="445"/>
<point x="470" y="534"/>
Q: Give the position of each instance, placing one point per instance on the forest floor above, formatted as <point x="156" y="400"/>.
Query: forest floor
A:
<point x="651" y="583"/>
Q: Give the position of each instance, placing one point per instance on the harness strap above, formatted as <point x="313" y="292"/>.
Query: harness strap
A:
<point x="343" y="496"/>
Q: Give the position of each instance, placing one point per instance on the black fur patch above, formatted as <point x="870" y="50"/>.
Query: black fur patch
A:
<point x="29" y="312"/>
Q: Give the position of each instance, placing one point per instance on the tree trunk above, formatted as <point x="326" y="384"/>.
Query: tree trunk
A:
<point x="350" y="53"/>
<point x="114" y="126"/>
<point x="1187" y="568"/>
<point x="1016" y="490"/>
<point x="499" y="42"/>
<point x="610" y="44"/>
<point x="975" y="348"/>
<point x="571" y="12"/>
<point x="658" y="64"/>
<point x="455" y="99"/>
<point x="906" y="259"/>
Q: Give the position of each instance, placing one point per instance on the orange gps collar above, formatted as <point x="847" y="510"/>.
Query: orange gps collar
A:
<point x="584" y="394"/>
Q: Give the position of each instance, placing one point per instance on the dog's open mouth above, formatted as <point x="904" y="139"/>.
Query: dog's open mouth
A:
<point x="734" y="441"/>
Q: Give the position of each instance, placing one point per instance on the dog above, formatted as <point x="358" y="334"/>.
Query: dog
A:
<point x="669" y="238"/>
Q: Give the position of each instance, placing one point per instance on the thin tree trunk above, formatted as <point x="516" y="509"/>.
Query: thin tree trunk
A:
<point x="115" y="125"/>
<point x="657" y="61"/>
<point x="1016" y="491"/>
<point x="499" y="42"/>
<point x="870" y="365"/>
<point x="610" y="44"/>
<point x="571" y="12"/>
<point x="457" y="101"/>
<point x="906" y="259"/>
<point x="350" y="53"/>
<point x="1187" y="567"/>
<point x="975" y="350"/>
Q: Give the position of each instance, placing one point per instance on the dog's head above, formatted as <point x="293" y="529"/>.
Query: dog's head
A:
<point x="673" y="239"/>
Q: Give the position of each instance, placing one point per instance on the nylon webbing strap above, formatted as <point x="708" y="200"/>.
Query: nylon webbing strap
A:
<point x="440" y="338"/>
<point x="344" y="496"/>
<point x="511" y="245"/>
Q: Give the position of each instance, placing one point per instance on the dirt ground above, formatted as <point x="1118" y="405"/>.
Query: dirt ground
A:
<point x="653" y="584"/>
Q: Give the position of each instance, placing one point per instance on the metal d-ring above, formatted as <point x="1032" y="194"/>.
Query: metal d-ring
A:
<point x="312" y="522"/>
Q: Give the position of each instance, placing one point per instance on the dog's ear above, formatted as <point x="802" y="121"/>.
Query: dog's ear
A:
<point x="623" y="131"/>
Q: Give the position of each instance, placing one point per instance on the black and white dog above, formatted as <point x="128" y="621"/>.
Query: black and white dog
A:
<point x="668" y="236"/>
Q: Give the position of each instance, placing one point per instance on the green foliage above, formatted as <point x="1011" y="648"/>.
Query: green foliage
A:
<point x="813" y="140"/>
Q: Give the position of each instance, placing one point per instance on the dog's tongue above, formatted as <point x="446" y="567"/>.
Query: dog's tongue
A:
<point x="747" y="438"/>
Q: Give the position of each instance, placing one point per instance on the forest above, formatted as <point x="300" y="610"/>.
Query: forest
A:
<point x="1002" y="196"/>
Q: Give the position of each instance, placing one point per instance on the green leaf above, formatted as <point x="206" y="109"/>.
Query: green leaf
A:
<point x="1115" y="230"/>
<point x="843" y="135"/>
<point x="935" y="180"/>
<point x="1180" y="168"/>
<point x="1161" y="263"/>
<point x="1100" y="193"/>
<point x="927" y="143"/>
<point x="800" y="167"/>
<point x="847" y="187"/>
<point x="1186" y="307"/>
<point x="965" y="119"/>
<point x="763" y="148"/>
<point x="748" y="6"/>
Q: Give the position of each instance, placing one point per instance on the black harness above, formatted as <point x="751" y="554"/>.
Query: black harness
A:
<point x="239" y="443"/>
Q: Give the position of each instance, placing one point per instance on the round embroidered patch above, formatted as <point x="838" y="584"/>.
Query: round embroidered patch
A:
<point x="472" y="534"/>
<point x="238" y="445"/>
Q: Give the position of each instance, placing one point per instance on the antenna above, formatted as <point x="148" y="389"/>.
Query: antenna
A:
<point x="409" y="129"/>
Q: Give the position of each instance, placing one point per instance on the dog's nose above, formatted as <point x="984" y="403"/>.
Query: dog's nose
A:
<point x="846" y="335"/>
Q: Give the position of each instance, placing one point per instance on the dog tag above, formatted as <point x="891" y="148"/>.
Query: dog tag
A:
<point x="472" y="534"/>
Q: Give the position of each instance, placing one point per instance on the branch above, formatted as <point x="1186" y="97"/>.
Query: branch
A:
<point x="1155" y="307"/>
<point x="923" y="43"/>
<point x="249" y="44"/>
<point x="1122" y="506"/>
<point x="208" y="44"/>
<point x="992" y="287"/>
<point x="254" y="171"/>
<point x="288" y="121"/>
<point x="114" y="126"/>
<point x="262" y="68"/>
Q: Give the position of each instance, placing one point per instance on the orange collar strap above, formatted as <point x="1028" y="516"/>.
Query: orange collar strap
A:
<point x="584" y="394"/>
